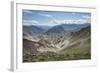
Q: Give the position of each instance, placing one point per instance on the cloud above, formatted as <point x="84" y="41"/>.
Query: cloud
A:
<point x="73" y="13"/>
<point x="52" y="21"/>
<point x="70" y="21"/>
<point x="86" y="17"/>
<point x="46" y="15"/>
<point x="27" y="11"/>
<point x="80" y="21"/>
<point x="30" y="22"/>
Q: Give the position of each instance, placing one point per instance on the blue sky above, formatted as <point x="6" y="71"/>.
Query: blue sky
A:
<point x="52" y="18"/>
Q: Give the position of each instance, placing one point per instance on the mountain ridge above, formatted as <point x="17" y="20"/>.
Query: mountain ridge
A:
<point x="33" y="29"/>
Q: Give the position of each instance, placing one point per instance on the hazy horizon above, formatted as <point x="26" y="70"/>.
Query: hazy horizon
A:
<point x="52" y="18"/>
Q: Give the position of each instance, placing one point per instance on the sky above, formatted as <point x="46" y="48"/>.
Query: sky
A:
<point x="52" y="18"/>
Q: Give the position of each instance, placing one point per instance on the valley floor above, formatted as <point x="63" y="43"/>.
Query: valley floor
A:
<point x="70" y="54"/>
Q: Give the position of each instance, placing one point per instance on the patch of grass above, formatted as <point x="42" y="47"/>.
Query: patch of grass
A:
<point x="70" y="54"/>
<point x="79" y="53"/>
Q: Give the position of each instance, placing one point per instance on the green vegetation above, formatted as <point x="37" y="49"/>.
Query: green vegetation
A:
<point x="69" y="54"/>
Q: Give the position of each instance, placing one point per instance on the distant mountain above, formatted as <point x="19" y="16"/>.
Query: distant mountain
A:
<point x="67" y="28"/>
<point x="55" y="29"/>
<point x="73" y="27"/>
<point x="39" y="29"/>
<point x="31" y="30"/>
<point x="45" y="27"/>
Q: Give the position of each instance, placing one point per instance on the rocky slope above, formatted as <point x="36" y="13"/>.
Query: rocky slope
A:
<point x="57" y="41"/>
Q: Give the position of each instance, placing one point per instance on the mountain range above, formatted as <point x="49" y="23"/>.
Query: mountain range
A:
<point x="56" y="43"/>
<point x="33" y="29"/>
